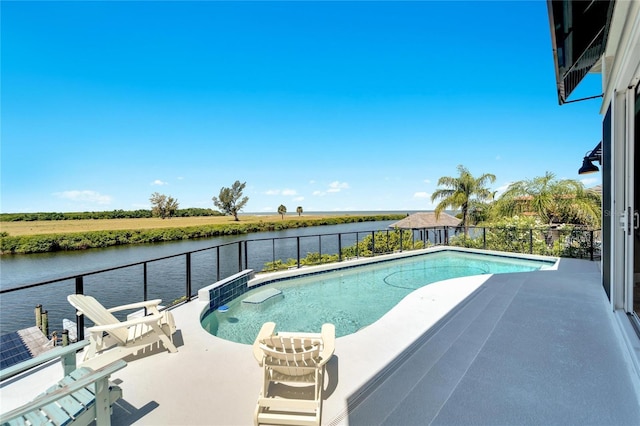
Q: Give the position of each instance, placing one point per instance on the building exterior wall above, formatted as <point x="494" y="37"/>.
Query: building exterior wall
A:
<point x="620" y="69"/>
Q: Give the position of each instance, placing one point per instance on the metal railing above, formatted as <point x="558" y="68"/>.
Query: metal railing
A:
<point x="206" y="265"/>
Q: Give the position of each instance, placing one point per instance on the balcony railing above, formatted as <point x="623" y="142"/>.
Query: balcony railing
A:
<point x="177" y="278"/>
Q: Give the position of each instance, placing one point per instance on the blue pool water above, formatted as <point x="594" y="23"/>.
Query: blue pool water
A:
<point x="351" y="298"/>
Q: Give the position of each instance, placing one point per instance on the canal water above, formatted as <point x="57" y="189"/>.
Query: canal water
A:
<point x="166" y="278"/>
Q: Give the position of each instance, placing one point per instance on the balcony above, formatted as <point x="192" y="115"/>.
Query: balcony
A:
<point x="527" y="348"/>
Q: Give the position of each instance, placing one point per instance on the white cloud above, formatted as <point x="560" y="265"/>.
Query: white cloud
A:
<point x="298" y="199"/>
<point x="158" y="182"/>
<point x="84" y="196"/>
<point x="421" y="195"/>
<point x="337" y="186"/>
<point x="285" y="192"/>
<point x="427" y="181"/>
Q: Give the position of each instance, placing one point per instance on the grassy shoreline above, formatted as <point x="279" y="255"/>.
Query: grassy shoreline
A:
<point x="51" y="236"/>
<point x="90" y="225"/>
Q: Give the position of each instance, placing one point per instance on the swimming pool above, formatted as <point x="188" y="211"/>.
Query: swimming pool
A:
<point x="350" y="298"/>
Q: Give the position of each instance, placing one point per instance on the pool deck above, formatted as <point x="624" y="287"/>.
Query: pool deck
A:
<point x="526" y="348"/>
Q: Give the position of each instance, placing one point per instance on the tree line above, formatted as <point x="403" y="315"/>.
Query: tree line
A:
<point x="41" y="243"/>
<point x="113" y="214"/>
<point x="543" y="200"/>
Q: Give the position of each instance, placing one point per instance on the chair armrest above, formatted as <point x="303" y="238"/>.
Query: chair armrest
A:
<point x="125" y="324"/>
<point x="137" y="305"/>
<point x="59" y="352"/>
<point x="50" y="397"/>
<point x="328" y="333"/>
<point x="267" y="330"/>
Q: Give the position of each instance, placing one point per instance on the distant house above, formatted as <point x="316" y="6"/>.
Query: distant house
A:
<point x="426" y="220"/>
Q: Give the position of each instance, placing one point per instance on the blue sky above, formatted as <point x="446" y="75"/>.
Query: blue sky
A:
<point x="332" y="106"/>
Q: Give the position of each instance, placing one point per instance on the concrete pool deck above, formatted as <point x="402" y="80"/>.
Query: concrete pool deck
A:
<point x="525" y="348"/>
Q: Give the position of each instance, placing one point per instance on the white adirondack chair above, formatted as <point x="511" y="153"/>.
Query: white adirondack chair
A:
<point x="130" y="336"/>
<point x="296" y="360"/>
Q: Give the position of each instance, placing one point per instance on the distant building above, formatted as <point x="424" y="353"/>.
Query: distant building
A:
<point x="426" y="220"/>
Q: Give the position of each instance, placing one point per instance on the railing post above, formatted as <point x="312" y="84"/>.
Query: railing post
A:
<point x="145" y="278"/>
<point x="401" y="239"/>
<point x="387" y="241"/>
<point x="273" y="252"/>
<point x="80" y="319"/>
<point x="298" y="250"/>
<point x="246" y="255"/>
<point x="218" y="263"/>
<point x="320" y="248"/>
<point x="339" y="247"/>
<point x="484" y="238"/>
<point x="239" y="256"/>
<point x="530" y="241"/>
<point x="591" y="245"/>
<point x="357" y="247"/>
<point x="373" y="243"/>
<point x="188" y="280"/>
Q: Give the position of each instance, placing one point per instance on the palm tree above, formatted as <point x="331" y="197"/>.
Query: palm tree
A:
<point x="552" y="200"/>
<point x="299" y="210"/>
<point x="464" y="192"/>
<point x="282" y="210"/>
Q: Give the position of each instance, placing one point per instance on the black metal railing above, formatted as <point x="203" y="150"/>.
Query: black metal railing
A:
<point x="160" y="277"/>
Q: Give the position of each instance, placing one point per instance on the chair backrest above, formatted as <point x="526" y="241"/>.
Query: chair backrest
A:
<point x="293" y="356"/>
<point x="92" y="309"/>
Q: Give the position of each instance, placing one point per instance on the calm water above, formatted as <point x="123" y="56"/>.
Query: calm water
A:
<point x="166" y="278"/>
<point x="351" y="298"/>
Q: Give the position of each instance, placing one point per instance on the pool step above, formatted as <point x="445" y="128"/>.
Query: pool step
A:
<point x="436" y="362"/>
<point x="262" y="296"/>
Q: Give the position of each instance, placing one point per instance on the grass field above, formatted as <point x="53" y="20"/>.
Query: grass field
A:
<point x="68" y="226"/>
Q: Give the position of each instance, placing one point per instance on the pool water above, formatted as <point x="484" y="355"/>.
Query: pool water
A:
<point x="351" y="298"/>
